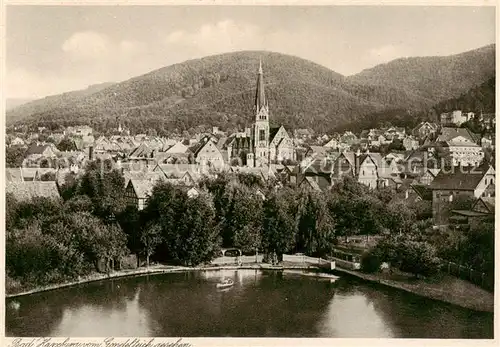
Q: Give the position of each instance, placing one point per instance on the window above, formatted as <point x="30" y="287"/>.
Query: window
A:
<point x="262" y="135"/>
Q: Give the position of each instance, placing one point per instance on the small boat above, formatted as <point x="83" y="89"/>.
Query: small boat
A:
<point x="225" y="283"/>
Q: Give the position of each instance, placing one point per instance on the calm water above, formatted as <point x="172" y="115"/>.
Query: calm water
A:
<point x="260" y="304"/>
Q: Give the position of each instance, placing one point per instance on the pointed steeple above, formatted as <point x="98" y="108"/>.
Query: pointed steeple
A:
<point x="260" y="96"/>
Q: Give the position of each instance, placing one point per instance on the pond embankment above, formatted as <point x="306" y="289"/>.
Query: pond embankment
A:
<point x="153" y="269"/>
<point x="448" y="289"/>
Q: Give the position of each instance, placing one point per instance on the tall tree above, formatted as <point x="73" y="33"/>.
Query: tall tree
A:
<point x="244" y="219"/>
<point x="278" y="226"/>
<point x="66" y="145"/>
<point x="151" y="237"/>
<point x="14" y="156"/>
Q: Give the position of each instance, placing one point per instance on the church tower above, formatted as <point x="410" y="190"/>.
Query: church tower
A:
<point x="261" y="126"/>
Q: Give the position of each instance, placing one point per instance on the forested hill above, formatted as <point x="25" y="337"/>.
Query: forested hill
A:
<point x="219" y="90"/>
<point x="49" y="103"/>
<point x="478" y="99"/>
<point x="433" y="78"/>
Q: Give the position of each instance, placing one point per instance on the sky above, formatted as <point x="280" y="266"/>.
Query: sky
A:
<point x="54" y="49"/>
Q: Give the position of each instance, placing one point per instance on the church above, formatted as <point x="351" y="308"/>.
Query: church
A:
<point x="261" y="145"/>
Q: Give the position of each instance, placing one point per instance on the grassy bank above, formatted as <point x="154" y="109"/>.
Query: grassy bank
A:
<point x="442" y="287"/>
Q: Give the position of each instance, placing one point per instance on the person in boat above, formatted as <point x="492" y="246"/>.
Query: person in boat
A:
<point x="226" y="281"/>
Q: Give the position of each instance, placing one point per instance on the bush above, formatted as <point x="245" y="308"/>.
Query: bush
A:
<point x="370" y="262"/>
<point x="419" y="258"/>
<point x="129" y="262"/>
<point x="12" y="285"/>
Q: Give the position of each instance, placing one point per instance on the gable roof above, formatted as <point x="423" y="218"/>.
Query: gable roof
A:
<point x="274" y="131"/>
<point x="325" y="165"/>
<point x="317" y="183"/>
<point x="311" y="183"/>
<point x="448" y="134"/>
<point x="206" y="141"/>
<point x="237" y="142"/>
<point x="427" y="124"/>
<point x="178" y="147"/>
<point x="177" y="170"/>
<point x="142" y="151"/>
<point x="459" y="179"/>
<point x="142" y="188"/>
<point x="331" y="142"/>
<point x="163" y="157"/>
<point x="153" y="176"/>
<point x="488" y="203"/>
<point x="433" y="172"/>
<point x="29" y="190"/>
<point x="422" y="191"/>
<point x="36" y="149"/>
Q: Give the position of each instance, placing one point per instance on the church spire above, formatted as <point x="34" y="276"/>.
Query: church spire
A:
<point x="260" y="96"/>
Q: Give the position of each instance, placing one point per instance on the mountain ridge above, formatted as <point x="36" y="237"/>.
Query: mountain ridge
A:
<point x="435" y="78"/>
<point x="218" y="90"/>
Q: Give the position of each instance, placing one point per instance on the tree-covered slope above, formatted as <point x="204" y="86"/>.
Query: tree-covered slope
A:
<point x="477" y="99"/>
<point x="219" y="91"/>
<point x="433" y="78"/>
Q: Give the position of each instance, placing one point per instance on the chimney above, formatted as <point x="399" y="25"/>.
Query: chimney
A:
<point x="91" y="153"/>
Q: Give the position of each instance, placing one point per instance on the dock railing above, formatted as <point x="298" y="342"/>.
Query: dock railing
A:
<point x="330" y="263"/>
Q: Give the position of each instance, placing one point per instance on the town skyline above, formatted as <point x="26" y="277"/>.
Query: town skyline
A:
<point x="70" y="48"/>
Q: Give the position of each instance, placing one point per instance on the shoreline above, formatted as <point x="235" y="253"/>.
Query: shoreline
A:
<point x="422" y="291"/>
<point x="152" y="270"/>
<point x="426" y="291"/>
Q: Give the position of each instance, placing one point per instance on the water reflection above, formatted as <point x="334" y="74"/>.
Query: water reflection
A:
<point x="353" y="316"/>
<point x="260" y="304"/>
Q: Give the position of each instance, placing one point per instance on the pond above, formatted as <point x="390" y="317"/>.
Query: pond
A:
<point x="259" y="304"/>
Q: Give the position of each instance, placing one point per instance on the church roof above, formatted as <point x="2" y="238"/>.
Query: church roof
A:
<point x="272" y="133"/>
<point x="239" y="142"/>
<point x="260" y="96"/>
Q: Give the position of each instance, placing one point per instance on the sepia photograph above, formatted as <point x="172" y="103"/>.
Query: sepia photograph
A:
<point x="249" y="171"/>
